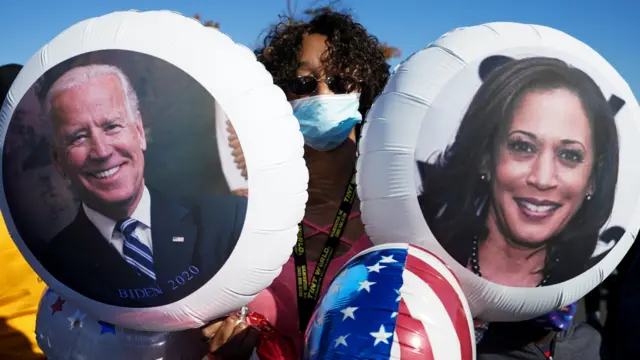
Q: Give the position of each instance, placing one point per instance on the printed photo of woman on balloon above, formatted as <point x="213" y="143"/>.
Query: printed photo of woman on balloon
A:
<point x="522" y="193"/>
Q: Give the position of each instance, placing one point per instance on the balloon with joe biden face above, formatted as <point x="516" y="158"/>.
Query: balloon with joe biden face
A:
<point x="522" y="165"/>
<point x="113" y="187"/>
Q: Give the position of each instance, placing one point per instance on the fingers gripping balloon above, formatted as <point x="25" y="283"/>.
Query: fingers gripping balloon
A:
<point x="273" y="346"/>
<point x="231" y="153"/>
<point x="252" y="336"/>
<point x="238" y="155"/>
<point x="394" y="301"/>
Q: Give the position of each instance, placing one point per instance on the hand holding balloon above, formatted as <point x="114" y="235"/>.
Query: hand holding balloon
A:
<point x="231" y="337"/>
<point x="237" y="153"/>
<point x="241" y="192"/>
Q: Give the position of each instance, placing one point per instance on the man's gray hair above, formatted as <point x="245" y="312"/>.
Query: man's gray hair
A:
<point x="83" y="74"/>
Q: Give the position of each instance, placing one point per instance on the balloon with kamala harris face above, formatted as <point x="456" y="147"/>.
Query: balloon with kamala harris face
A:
<point x="509" y="151"/>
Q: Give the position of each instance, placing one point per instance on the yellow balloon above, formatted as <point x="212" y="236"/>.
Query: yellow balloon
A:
<point x="20" y="293"/>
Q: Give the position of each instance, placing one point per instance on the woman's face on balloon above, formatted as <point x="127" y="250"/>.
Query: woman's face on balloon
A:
<point x="544" y="165"/>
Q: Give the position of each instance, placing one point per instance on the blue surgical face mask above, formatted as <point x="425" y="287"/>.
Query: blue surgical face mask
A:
<point x="327" y="120"/>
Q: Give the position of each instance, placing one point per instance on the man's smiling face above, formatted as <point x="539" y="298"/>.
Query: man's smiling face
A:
<point x="97" y="144"/>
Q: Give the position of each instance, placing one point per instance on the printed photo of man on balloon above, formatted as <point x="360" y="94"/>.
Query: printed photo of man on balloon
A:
<point x="129" y="243"/>
<point x="535" y="160"/>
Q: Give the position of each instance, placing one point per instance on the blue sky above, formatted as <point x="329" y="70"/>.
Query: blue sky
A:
<point x="611" y="27"/>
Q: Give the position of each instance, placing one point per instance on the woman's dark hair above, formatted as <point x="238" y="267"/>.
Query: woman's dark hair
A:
<point x="454" y="196"/>
<point x="350" y="50"/>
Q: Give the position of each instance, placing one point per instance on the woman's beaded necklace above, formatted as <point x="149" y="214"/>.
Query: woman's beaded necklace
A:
<point x="475" y="267"/>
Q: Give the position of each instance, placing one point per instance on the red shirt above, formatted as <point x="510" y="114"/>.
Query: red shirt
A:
<point x="279" y="302"/>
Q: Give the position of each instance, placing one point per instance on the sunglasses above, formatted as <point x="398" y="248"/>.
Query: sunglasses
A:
<point x="308" y="85"/>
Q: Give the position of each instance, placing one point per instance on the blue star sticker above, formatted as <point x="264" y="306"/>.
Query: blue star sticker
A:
<point x="105" y="327"/>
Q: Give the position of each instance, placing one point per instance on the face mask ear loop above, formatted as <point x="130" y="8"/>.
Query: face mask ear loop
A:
<point x="358" y="129"/>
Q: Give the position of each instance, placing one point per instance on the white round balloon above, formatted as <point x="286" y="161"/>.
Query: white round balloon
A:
<point x="65" y="332"/>
<point x="113" y="188"/>
<point x="497" y="140"/>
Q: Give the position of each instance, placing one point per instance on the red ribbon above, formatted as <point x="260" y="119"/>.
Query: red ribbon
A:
<point x="273" y="345"/>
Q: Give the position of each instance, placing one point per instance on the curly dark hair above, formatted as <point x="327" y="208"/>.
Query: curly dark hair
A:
<point x="350" y="50"/>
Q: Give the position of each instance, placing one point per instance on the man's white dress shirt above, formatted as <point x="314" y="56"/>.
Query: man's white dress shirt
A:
<point x="107" y="226"/>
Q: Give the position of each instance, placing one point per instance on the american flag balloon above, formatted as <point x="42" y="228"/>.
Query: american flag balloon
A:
<point x="392" y="301"/>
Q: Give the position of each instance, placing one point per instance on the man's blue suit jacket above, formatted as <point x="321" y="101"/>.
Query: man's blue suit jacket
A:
<point x="80" y="257"/>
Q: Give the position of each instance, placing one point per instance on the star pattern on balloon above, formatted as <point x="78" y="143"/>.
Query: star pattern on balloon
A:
<point x="399" y="294"/>
<point x="57" y="306"/>
<point x="381" y="336"/>
<point x="348" y="312"/>
<point x="105" y="327"/>
<point x="359" y="317"/>
<point x="341" y="340"/>
<point x="376" y="268"/>
<point x="76" y="319"/>
<point x="366" y="285"/>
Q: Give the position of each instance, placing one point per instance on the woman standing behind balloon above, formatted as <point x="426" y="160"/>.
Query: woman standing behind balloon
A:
<point x="331" y="70"/>
<point x="521" y="195"/>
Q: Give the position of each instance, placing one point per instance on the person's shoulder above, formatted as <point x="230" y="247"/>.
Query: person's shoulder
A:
<point x="64" y="237"/>
<point x="207" y="208"/>
<point x="219" y="201"/>
<point x="222" y="209"/>
<point x="56" y="248"/>
<point x="222" y="204"/>
<point x="579" y="341"/>
<point x="224" y="199"/>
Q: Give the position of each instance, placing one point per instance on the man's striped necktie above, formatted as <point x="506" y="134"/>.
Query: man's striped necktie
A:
<point x="135" y="252"/>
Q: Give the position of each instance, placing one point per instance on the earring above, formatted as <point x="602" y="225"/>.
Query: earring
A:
<point x="588" y="197"/>
<point x="484" y="177"/>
